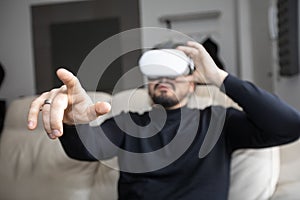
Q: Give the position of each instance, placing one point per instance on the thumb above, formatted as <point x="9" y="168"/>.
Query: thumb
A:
<point x="102" y="108"/>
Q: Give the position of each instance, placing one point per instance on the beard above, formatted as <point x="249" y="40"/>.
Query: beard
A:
<point x="164" y="100"/>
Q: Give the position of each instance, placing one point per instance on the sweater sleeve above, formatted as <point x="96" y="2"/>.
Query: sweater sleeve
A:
<point x="86" y="143"/>
<point x="265" y="120"/>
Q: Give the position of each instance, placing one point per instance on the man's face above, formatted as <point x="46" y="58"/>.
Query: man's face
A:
<point x="171" y="93"/>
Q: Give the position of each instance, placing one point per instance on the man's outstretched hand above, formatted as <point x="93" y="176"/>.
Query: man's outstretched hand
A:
<point x="68" y="104"/>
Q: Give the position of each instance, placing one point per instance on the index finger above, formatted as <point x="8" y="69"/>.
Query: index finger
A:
<point x="71" y="81"/>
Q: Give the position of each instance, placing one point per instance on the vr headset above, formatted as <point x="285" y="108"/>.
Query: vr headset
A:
<point x="168" y="63"/>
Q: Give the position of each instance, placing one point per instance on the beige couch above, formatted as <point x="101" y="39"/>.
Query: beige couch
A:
<point x="33" y="167"/>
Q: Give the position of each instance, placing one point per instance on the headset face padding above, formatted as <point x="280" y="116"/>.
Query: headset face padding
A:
<point x="165" y="63"/>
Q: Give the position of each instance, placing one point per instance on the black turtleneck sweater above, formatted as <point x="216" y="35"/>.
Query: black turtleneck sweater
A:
<point x="185" y="153"/>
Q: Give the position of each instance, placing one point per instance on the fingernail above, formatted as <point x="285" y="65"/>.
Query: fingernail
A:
<point x="51" y="136"/>
<point x="30" y="124"/>
<point x="56" y="133"/>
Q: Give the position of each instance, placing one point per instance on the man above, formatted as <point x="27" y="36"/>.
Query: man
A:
<point x="265" y="121"/>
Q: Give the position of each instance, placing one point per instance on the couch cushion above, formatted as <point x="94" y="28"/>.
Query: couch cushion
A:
<point x="134" y="100"/>
<point x="288" y="183"/>
<point x="287" y="191"/>
<point x="254" y="173"/>
<point x="290" y="164"/>
<point x="33" y="167"/>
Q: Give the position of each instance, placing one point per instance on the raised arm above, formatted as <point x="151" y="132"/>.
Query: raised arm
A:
<point x="266" y="120"/>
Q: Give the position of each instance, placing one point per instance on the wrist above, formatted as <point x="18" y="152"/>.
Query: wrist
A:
<point x="219" y="78"/>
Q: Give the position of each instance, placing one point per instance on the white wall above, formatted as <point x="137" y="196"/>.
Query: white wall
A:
<point x="245" y="41"/>
<point x="16" y="49"/>
<point x="16" y="52"/>
<point x="258" y="51"/>
<point x="255" y="43"/>
<point x="152" y="10"/>
<point x="288" y="88"/>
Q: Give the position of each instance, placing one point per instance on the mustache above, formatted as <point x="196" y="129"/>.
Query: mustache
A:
<point x="164" y="82"/>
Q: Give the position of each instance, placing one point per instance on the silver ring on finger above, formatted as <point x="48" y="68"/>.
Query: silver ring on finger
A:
<point x="47" y="101"/>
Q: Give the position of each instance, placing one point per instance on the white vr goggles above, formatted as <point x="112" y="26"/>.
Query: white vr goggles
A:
<point x="165" y="63"/>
